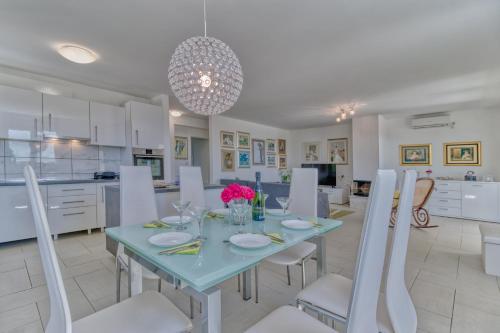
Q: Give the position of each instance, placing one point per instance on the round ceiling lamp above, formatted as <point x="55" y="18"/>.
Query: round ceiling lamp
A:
<point x="77" y="53"/>
<point x="205" y="74"/>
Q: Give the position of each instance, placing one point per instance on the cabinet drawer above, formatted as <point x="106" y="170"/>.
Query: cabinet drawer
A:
<point x="443" y="202"/>
<point x="443" y="194"/>
<point x="72" y="219"/>
<point x="71" y="189"/>
<point x="445" y="211"/>
<point x="71" y="201"/>
<point x="447" y="186"/>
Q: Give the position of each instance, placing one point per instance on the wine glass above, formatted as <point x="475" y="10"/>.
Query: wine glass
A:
<point x="241" y="209"/>
<point x="199" y="213"/>
<point x="181" y="206"/>
<point x="284" y="202"/>
<point x="265" y="199"/>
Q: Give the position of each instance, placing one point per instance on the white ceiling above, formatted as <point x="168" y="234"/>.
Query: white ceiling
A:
<point x="299" y="58"/>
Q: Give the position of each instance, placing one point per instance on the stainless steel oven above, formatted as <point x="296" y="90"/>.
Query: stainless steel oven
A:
<point x="152" y="158"/>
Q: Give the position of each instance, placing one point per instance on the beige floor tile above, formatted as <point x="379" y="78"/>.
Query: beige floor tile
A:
<point x="433" y="297"/>
<point x="18" y="317"/>
<point x="14" y="281"/>
<point x="35" y="327"/>
<point x="78" y="304"/>
<point x="467" y="320"/>
<point x="431" y="322"/>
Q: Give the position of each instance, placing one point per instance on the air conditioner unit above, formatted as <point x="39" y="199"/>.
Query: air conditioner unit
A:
<point x="431" y="120"/>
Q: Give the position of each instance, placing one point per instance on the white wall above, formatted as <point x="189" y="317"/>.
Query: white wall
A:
<point x="322" y="134"/>
<point x="473" y="125"/>
<point x="189" y="132"/>
<point x="257" y="131"/>
<point x="365" y="149"/>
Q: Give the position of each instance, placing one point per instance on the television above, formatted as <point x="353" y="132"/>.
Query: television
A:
<point x="326" y="173"/>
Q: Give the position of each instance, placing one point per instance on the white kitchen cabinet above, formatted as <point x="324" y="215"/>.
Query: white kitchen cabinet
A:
<point x="147" y="125"/>
<point x="107" y="125"/>
<point x="71" y="219"/>
<point x="16" y="220"/>
<point x="101" y="203"/>
<point x="480" y="201"/>
<point x="65" y="117"/>
<point x="20" y="114"/>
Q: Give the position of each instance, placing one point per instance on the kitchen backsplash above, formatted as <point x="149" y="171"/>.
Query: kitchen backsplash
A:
<point x="56" y="159"/>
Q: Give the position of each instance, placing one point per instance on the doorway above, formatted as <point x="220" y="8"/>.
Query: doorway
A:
<point x="200" y="156"/>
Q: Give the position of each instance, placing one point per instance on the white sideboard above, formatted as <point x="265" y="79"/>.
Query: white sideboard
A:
<point x="466" y="199"/>
<point x="336" y="195"/>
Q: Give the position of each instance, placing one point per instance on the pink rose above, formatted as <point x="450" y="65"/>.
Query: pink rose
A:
<point x="248" y="193"/>
<point x="226" y="195"/>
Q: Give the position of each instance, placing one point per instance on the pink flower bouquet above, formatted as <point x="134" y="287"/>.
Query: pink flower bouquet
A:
<point x="236" y="191"/>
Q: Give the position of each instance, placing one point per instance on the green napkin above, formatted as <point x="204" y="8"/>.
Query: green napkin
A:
<point x="214" y="215"/>
<point x="275" y="237"/>
<point x="194" y="250"/>
<point x="156" y="224"/>
<point x="188" y="248"/>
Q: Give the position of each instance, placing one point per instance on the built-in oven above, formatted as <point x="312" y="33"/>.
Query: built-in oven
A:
<point x="152" y="158"/>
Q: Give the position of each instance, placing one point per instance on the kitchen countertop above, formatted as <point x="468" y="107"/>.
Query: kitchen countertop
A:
<point x="168" y="189"/>
<point x="59" y="181"/>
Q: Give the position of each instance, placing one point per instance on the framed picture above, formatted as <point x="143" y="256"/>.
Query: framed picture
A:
<point x="282" y="146"/>
<point x="258" y="152"/>
<point x="243" y="139"/>
<point x="311" y="151"/>
<point x="282" y="162"/>
<point x="337" y="151"/>
<point x="420" y="154"/>
<point x="227" y="159"/>
<point x="270" y="146"/>
<point x="181" y="148"/>
<point x="227" y="139"/>
<point x="462" y="153"/>
<point x="271" y="160"/>
<point x="243" y="159"/>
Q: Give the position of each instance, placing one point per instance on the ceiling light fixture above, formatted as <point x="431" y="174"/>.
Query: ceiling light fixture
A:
<point x="77" y="53"/>
<point x="205" y="74"/>
<point x="175" y="113"/>
<point x="342" y="110"/>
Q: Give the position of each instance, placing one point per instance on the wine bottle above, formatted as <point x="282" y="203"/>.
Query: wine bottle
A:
<point x="258" y="200"/>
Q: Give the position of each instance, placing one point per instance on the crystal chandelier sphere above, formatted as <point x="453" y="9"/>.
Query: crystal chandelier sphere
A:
<point x="205" y="75"/>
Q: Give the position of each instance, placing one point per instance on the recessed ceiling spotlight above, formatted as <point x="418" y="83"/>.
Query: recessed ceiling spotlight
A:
<point x="77" y="53"/>
<point x="175" y="113"/>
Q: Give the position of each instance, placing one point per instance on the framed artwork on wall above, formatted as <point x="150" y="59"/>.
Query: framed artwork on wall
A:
<point x="181" y="148"/>
<point x="227" y="139"/>
<point x="311" y="151"/>
<point x="282" y="146"/>
<point x="337" y="151"/>
<point x="227" y="159"/>
<point x="282" y="162"/>
<point x="270" y="146"/>
<point x="258" y="152"/>
<point x="243" y="159"/>
<point x="415" y="154"/>
<point x="271" y="160"/>
<point x="243" y="139"/>
<point x="462" y="153"/>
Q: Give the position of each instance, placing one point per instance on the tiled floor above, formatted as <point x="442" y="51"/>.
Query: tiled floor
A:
<point x="448" y="286"/>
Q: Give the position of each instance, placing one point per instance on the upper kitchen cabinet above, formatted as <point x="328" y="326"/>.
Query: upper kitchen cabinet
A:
<point x="107" y="125"/>
<point x="65" y="117"/>
<point x="20" y="114"/>
<point x="147" y="125"/>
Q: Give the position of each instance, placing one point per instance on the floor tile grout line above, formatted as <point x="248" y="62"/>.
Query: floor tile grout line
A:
<point x="85" y="295"/>
<point x="39" y="315"/>
<point x="453" y="309"/>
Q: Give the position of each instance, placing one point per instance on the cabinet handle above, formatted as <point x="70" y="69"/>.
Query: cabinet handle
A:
<point x="443" y="200"/>
<point x="136" y="137"/>
<point x="36" y="127"/>
<point x="50" y="121"/>
<point x="102" y="194"/>
<point x="95" y="129"/>
<point x="69" y="214"/>
<point x="72" y="189"/>
<point x="75" y="201"/>
<point x="474" y="185"/>
<point x="443" y="209"/>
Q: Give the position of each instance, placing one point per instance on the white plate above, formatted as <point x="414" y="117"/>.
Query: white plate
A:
<point x="250" y="241"/>
<point x="297" y="224"/>
<point x="277" y="212"/>
<point x="167" y="239"/>
<point x="177" y="219"/>
<point x="221" y="211"/>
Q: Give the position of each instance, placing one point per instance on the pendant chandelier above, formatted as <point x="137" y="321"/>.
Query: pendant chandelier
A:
<point x="344" y="110"/>
<point x="205" y="74"/>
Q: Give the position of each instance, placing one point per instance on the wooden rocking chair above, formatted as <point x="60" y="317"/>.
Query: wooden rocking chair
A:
<point x="423" y="191"/>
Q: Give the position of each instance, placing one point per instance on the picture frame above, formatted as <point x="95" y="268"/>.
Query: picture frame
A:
<point x="311" y="151"/>
<point x="271" y="160"/>
<point x="181" y="146"/>
<point x="243" y="159"/>
<point x="337" y="151"/>
<point x="282" y="146"/>
<point x="282" y="162"/>
<point x="227" y="139"/>
<point x="227" y="160"/>
<point x="271" y="146"/>
<point x="243" y="140"/>
<point x="258" y="152"/>
<point x="415" y="154"/>
<point x="462" y="153"/>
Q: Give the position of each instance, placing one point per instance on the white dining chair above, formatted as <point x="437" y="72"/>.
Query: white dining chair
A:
<point x="367" y="276"/>
<point x="191" y="184"/>
<point x="330" y="295"/>
<point x="137" y="206"/>
<point x="148" y="312"/>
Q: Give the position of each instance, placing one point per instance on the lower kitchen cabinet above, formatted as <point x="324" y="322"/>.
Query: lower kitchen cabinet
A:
<point x="72" y="219"/>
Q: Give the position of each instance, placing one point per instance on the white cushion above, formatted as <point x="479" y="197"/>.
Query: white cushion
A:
<point x="288" y="319"/>
<point x="332" y="292"/>
<point x="148" y="312"/>
<point x="293" y="255"/>
<point x="490" y="233"/>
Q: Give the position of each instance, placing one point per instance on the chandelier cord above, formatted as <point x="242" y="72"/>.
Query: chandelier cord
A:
<point x="205" y="15"/>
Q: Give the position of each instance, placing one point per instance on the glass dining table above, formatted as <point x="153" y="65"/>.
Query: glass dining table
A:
<point x="218" y="260"/>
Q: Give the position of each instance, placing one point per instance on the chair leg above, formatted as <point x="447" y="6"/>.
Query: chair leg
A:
<point x="288" y="275"/>
<point x="303" y="266"/>
<point x="118" y="280"/>
<point x="239" y="282"/>
<point x="159" y="286"/>
<point x="191" y="307"/>
<point x="257" y="284"/>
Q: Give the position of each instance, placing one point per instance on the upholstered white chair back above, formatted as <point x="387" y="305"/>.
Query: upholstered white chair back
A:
<point x="362" y="314"/>
<point x="192" y="185"/>
<point x="60" y="317"/>
<point x="399" y="304"/>
<point x="137" y="195"/>
<point x="304" y="192"/>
